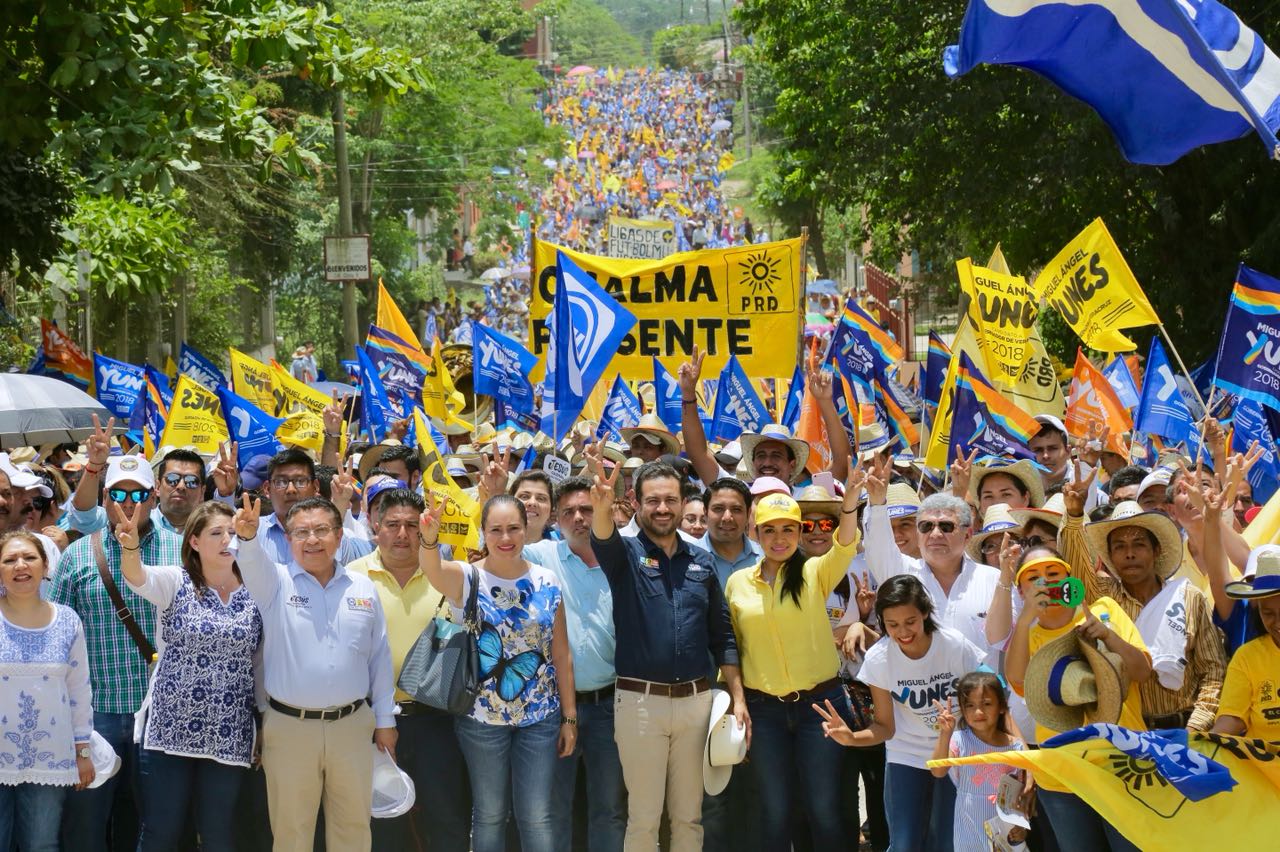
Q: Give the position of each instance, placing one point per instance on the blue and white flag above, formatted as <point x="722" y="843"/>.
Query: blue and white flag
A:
<point x="1121" y="381"/>
<point x="1166" y="75"/>
<point x="201" y="369"/>
<point x="37" y="366"/>
<point x="1248" y="363"/>
<point x="666" y="397"/>
<point x="1253" y="423"/>
<point x="376" y="411"/>
<point x="738" y="406"/>
<point x="621" y="411"/>
<point x="253" y="430"/>
<point x="1162" y="410"/>
<point x="501" y="367"/>
<point x="587" y="327"/>
<point x="118" y="385"/>
<point x="795" y="396"/>
<point x="504" y="416"/>
<point x="430" y="329"/>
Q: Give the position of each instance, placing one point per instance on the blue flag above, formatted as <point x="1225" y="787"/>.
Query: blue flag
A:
<point x="505" y="417"/>
<point x="37" y="366"/>
<point x="1166" y="75"/>
<point x="500" y="368"/>
<point x="738" y="406"/>
<point x="666" y="396"/>
<point x="1163" y="411"/>
<point x="399" y="372"/>
<point x="118" y="385"/>
<point x="147" y="418"/>
<point x="935" y="370"/>
<point x="973" y="425"/>
<point x="192" y="363"/>
<point x="622" y="411"/>
<point x="161" y="382"/>
<point x="1121" y="381"/>
<point x="587" y="327"/>
<point x="1252" y="423"/>
<point x="1248" y="362"/>
<point x="376" y="411"/>
<point x="795" y="396"/>
<point x="253" y="430"/>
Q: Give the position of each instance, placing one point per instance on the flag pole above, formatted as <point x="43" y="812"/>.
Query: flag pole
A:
<point x="1182" y="366"/>
<point x="802" y="300"/>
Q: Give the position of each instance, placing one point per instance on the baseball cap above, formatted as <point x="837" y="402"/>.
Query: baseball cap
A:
<point x="129" y="469"/>
<point x="381" y="485"/>
<point x="769" y="485"/>
<point x="777" y="507"/>
<point x="256" y="472"/>
<point x="1052" y="422"/>
<point x="1160" y="476"/>
<point x="21" y="478"/>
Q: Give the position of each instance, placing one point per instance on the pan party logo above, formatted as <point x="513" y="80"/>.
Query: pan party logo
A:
<point x="761" y="280"/>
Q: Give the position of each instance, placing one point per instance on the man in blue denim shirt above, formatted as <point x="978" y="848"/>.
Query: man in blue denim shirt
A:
<point x="668" y="612"/>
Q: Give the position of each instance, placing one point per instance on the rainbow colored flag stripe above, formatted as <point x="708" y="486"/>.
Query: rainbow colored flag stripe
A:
<point x="888" y="348"/>
<point x="897" y="418"/>
<point x="1000" y="409"/>
<point x="386" y="341"/>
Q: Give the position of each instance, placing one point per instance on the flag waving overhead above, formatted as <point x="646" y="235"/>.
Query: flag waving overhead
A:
<point x="501" y="366"/>
<point x="195" y="418"/>
<point x="1092" y="401"/>
<point x="117" y="385"/>
<point x="886" y="347"/>
<point x="253" y="430"/>
<point x="1122" y="382"/>
<point x="795" y="394"/>
<point x="1248" y="362"/>
<point x="935" y="369"/>
<point x="622" y="411"/>
<point x="376" y="411"/>
<point x="63" y="359"/>
<point x="984" y="420"/>
<point x="252" y="380"/>
<point x="1166" y="75"/>
<point x="1003" y="310"/>
<point x="391" y="319"/>
<point x="666" y="397"/>
<point x="738" y="406"/>
<point x="1090" y="284"/>
<point x="192" y="363"/>
<point x="1163" y="410"/>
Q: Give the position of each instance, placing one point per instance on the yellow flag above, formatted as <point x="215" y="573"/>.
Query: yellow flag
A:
<point x="460" y="523"/>
<point x="195" y="418"/>
<point x="303" y="429"/>
<point x="1091" y="286"/>
<point x="439" y="397"/>
<point x="252" y="380"/>
<point x="390" y="318"/>
<point x="303" y="409"/>
<point x="170" y="368"/>
<point x="1003" y="311"/>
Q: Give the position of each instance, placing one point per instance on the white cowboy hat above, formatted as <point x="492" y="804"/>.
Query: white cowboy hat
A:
<point x="1022" y="470"/>
<point x="393" y="792"/>
<point x="1262" y="575"/>
<point x="1051" y="512"/>
<point x="726" y="745"/>
<point x="1129" y="514"/>
<point x="775" y="432"/>
<point x="106" y="762"/>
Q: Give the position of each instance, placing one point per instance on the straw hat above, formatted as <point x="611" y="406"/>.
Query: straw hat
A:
<point x="393" y="792"/>
<point x="775" y="432"/>
<point x="651" y="427"/>
<point x="872" y="438"/>
<point x="818" y="500"/>
<point x="1129" y="514"/>
<point x="1051" y="512"/>
<point x="998" y="520"/>
<point x="1070" y="683"/>
<point x="1022" y="470"/>
<point x="369" y="458"/>
<point x="1264" y="580"/>
<point x="726" y="745"/>
<point x="901" y="500"/>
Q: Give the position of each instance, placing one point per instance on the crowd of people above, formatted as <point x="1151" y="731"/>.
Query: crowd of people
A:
<point x="238" y="639"/>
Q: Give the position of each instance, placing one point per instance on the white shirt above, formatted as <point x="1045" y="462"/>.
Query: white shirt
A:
<point x="914" y="686"/>
<point x="964" y="609"/>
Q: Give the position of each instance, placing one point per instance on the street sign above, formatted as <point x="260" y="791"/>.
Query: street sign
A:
<point x="347" y="258"/>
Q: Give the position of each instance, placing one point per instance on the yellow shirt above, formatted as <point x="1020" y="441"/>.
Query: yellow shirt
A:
<point x="786" y="648"/>
<point x="1123" y="626"/>
<point x="407" y="609"/>
<point x="1249" y="692"/>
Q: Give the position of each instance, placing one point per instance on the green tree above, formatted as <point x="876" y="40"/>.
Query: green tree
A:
<point x="585" y="34"/>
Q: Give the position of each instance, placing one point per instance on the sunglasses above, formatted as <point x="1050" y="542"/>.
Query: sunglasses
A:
<point x="137" y="495"/>
<point x="825" y="525"/>
<point x="188" y="480"/>
<point x="1035" y="541"/>
<point x="40" y="504"/>
<point x="944" y="527"/>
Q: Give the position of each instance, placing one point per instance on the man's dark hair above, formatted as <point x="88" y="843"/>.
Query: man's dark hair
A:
<point x="533" y="476"/>
<point x="185" y="456"/>
<point x="1050" y="429"/>
<point x="314" y="503"/>
<point x="399" y="497"/>
<point x="291" y="456"/>
<point x="572" y="485"/>
<point x="689" y="491"/>
<point x="1130" y="474"/>
<point x="652" y="470"/>
<point x="728" y="483"/>
<point x="324" y="479"/>
<point x="405" y="454"/>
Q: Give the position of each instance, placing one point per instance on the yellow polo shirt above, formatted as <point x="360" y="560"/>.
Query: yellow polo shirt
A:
<point x="1249" y="692"/>
<point x="786" y="648"/>
<point x="407" y="609"/>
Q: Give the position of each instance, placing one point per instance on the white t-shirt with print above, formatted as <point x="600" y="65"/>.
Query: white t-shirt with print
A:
<point x="915" y="685"/>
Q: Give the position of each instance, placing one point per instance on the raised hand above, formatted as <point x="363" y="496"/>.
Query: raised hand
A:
<point x="429" y="521"/>
<point x="603" y="491"/>
<point x="689" y="372"/>
<point x="863" y="596"/>
<point x="946" y="719"/>
<point x="833" y="725"/>
<point x="125" y="524"/>
<point x="593" y="452"/>
<point x="961" y="473"/>
<point x="1010" y="557"/>
<point x="853" y="485"/>
<point x="98" y="444"/>
<point x="1091" y="628"/>
<point x="343" y="486"/>
<point x="246" y="519"/>
<point x="226" y="473"/>
<point x="494" y="479"/>
<point x="333" y="416"/>
<point x="818" y="382"/>
<point x="876" y="481"/>
<point x="1076" y="492"/>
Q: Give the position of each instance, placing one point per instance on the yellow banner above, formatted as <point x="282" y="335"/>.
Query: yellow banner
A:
<point x="1003" y="311"/>
<point x="1091" y="286"/>
<point x="195" y="418"/>
<point x="303" y="429"/>
<point x="460" y="522"/>
<point x="292" y="395"/>
<point x="743" y="301"/>
<point x="252" y="380"/>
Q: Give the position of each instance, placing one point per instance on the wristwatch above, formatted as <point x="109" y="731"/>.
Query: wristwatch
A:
<point x="84" y="752"/>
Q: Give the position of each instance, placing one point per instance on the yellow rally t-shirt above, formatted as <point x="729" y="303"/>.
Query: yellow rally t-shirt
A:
<point x="1250" y="689"/>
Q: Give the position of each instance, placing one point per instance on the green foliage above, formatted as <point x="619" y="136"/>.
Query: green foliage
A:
<point x="869" y="120"/>
<point x="585" y="34"/>
<point x="34" y="200"/>
<point x="679" y="47"/>
<point x="643" y="18"/>
<point x="213" y="310"/>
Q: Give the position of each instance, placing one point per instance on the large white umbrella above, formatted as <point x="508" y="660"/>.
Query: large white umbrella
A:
<point x="36" y="410"/>
<point x="495" y="274"/>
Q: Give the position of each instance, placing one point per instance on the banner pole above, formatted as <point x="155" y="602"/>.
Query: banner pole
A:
<point x="1182" y="366"/>
<point x="802" y="299"/>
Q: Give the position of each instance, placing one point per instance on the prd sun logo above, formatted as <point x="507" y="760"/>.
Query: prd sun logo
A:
<point x="760" y="272"/>
<point x="760" y="281"/>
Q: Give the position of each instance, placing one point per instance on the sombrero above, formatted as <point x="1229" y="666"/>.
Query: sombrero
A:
<point x="998" y="520"/>
<point x="902" y="500"/>
<point x="872" y="439"/>
<point x="651" y="427"/>
<point x="1051" y="512"/>
<point x="369" y="458"/>
<point x="775" y="432"/>
<point x="1022" y="470"/>
<point x="1265" y="576"/>
<point x="1129" y="514"/>
<point x="818" y="500"/>
<point x="1070" y="683"/>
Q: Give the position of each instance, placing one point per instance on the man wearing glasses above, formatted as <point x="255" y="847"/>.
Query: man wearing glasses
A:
<point x="291" y="478"/>
<point x="117" y="665"/>
<point x="961" y="588"/>
<point x="328" y="676"/>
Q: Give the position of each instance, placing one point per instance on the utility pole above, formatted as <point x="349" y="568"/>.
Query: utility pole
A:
<point x="350" y="334"/>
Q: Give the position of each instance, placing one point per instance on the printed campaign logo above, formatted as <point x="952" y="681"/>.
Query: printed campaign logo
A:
<point x="760" y="281"/>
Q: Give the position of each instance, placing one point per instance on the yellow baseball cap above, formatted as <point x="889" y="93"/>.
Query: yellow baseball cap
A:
<point x="777" y="507"/>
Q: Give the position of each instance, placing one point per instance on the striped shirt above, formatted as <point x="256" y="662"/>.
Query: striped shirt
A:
<point x="1205" y="654"/>
<point x="116" y="668"/>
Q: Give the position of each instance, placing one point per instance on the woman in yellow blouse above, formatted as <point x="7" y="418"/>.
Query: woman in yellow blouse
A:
<point x="789" y="663"/>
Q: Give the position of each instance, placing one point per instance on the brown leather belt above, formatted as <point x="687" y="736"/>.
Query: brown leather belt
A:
<point x="792" y="697"/>
<point x="667" y="690"/>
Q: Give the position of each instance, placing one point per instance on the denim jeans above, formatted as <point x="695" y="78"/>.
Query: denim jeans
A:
<point x="427" y="749"/>
<point x="796" y="765"/>
<point x="91" y="818"/>
<point x="509" y="765"/>
<point x="606" y="792"/>
<point x="171" y="785"/>
<point x="1077" y="827"/>
<point x="29" y="816"/>
<point x="865" y="765"/>
<point x="920" y="809"/>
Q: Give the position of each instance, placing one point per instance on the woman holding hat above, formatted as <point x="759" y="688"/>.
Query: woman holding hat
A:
<point x="1250" y="704"/>
<point x="789" y="662"/>
<point x="46" y="702"/>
